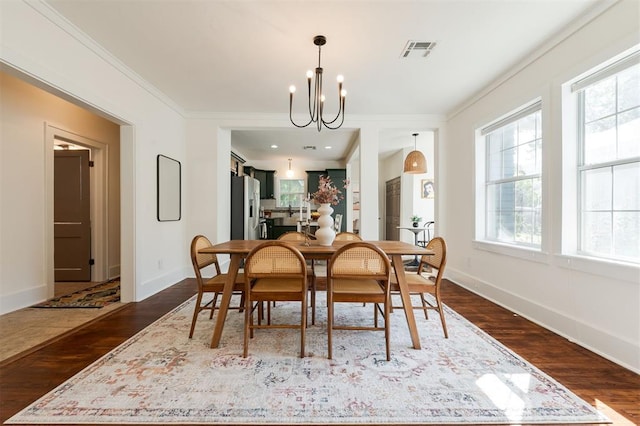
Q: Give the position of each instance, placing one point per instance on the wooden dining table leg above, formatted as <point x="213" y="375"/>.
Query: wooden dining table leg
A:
<point x="232" y="274"/>
<point x="406" y="300"/>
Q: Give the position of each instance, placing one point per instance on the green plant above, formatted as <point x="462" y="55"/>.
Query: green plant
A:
<point x="416" y="218"/>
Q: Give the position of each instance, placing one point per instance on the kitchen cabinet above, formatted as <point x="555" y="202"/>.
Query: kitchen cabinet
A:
<point x="313" y="177"/>
<point x="278" y="226"/>
<point x="337" y="177"/>
<point x="266" y="178"/>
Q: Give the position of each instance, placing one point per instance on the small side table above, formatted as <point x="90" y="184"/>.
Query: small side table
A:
<point x="416" y="231"/>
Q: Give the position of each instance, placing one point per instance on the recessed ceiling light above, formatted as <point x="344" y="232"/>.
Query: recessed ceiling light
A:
<point x="274" y="146"/>
<point x="328" y="147"/>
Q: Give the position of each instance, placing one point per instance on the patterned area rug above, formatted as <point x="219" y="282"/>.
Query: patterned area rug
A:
<point x="93" y="297"/>
<point x="161" y="376"/>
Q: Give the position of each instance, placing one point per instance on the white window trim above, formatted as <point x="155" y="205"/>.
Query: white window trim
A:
<point x="570" y="257"/>
<point x="278" y="192"/>
<point x="480" y="242"/>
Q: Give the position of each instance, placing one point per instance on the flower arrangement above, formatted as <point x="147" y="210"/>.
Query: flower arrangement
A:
<point x="415" y="218"/>
<point x="327" y="192"/>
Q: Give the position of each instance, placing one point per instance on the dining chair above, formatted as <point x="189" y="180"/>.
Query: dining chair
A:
<point x="359" y="272"/>
<point x="427" y="280"/>
<point x="214" y="284"/>
<point x="274" y="271"/>
<point x="337" y="223"/>
<point x="347" y="236"/>
<point x="311" y="277"/>
<point x="426" y="234"/>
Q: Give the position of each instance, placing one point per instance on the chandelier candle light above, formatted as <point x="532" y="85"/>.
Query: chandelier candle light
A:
<point x="316" y="102"/>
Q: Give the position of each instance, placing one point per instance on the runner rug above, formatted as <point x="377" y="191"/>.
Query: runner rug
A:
<point x="96" y="296"/>
<point x="162" y="376"/>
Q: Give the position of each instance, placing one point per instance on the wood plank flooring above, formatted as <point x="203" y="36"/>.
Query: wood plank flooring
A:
<point x="611" y="388"/>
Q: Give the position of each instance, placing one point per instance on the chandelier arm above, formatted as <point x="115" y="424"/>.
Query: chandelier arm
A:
<point x="298" y="125"/>
<point x="291" y="114"/>
<point x="320" y="101"/>
<point x="336" y="127"/>
<point x="309" y="92"/>
<point x="340" y="110"/>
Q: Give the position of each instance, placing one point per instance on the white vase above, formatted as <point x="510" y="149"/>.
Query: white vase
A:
<point x="325" y="233"/>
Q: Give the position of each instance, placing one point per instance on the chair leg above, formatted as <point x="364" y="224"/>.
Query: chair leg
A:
<point x="241" y="305"/>
<point x="213" y="304"/>
<point x="248" y="319"/>
<point x="196" y="311"/>
<point x="329" y="326"/>
<point x="303" y="325"/>
<point x="424" y="306"/>
<point x="313" y="301"/>
<point x="444" y="324"/>
<point x="375" y="315"/>
<point x="387" y="328"/>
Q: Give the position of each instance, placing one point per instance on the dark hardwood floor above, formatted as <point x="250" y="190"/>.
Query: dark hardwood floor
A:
<point x="607" y="386"/>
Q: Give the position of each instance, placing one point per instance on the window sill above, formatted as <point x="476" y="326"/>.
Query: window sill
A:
<point x="603" y="267"/>
<point x="524" y="253"/>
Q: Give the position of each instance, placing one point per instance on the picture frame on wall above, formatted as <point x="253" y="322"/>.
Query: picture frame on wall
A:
<point x="427" y="189"/>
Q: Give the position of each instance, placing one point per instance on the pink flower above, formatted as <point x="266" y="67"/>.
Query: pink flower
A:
<point x="327" y="193"/>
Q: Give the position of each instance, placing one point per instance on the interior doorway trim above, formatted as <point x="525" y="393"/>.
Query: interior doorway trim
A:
<point x="99" y="202"/>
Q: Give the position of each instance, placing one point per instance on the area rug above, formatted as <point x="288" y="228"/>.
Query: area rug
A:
<point x="162" y="376"/>
<point x="93" y="297"/>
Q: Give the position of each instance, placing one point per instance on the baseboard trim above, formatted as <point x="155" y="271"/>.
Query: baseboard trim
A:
<point x="618" y="350"/>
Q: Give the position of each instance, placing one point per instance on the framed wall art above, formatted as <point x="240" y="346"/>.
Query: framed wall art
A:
<point x="427" y="188"/>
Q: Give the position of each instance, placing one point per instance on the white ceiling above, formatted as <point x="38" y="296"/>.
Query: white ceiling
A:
<point x="241" y="56"/>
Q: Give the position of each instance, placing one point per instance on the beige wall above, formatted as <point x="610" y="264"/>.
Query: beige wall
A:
<point x="24" y="111"/>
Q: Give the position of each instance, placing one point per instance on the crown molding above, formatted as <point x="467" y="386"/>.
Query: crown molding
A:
<point x="46" y="10"/>
<point x="598" y="9"/>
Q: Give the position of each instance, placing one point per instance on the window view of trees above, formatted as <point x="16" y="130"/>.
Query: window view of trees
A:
<point x="513" y="183"/>
<point x="291" y="192"/>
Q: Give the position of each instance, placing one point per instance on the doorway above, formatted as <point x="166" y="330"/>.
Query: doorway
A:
<point x="96" y="249"/>
<point x="392" y="209"/>
<point x="71" y="213"/>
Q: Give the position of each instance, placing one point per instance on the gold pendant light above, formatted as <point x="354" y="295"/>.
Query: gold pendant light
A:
<point x="415" y="163"/>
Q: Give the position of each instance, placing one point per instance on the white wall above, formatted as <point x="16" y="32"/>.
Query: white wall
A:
<point x="596" y="305"/>
<point x="42" y="46"/>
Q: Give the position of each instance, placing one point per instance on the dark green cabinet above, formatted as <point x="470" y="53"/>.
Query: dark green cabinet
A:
<point x="313" y="177"/>
<point x="266" y="178"/>
<point x="337" y="177"/>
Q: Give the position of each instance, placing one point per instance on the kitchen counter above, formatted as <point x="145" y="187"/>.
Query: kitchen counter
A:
<point x="277" y="226"/>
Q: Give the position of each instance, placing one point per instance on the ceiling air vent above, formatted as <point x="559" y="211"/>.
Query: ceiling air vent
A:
<point x="414" y="49"/>
<point x="313" y="147"/>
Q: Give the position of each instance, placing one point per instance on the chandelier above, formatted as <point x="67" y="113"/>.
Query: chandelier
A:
<point x="415" y="163"/>
<point x="316" y="101"/>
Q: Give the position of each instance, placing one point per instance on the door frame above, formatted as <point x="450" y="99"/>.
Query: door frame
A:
<point x="99" y="214"/>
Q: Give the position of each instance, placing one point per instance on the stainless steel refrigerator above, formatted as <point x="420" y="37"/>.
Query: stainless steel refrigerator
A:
<point x="245" y="208"/>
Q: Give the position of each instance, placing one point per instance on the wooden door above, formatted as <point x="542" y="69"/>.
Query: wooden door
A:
<point x="392" y="210"/>
<point x="71" y="215"/>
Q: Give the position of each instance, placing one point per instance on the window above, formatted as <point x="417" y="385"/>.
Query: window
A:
<point x="608" y="161"/>
<point x="291" y="192"/>
<point x="512" y="178"/>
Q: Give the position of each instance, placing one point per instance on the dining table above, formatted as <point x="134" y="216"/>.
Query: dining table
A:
<point x="239" y="249"/>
